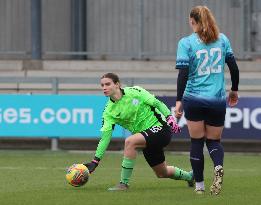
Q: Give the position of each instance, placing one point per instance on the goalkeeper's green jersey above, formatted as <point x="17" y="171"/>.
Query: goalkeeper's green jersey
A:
<point x="137" y="110"/>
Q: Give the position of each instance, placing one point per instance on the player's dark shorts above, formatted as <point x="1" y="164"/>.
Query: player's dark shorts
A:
<point x="156" y="139"/>
<point x="213" y="112"/>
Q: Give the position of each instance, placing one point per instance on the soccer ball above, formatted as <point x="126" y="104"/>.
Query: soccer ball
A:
<point x="77" y="175"/>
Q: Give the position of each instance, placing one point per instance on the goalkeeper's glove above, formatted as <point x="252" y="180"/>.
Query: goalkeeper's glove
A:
<point x="173" y="125"/>
<point x="93" y="164"/>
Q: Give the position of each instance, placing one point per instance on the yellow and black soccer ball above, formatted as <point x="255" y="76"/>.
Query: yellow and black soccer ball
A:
<point x="77" y="175"/>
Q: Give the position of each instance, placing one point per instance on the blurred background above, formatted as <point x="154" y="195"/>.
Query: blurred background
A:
<point x="50" y="48"/>
<point x="118" y="29"/>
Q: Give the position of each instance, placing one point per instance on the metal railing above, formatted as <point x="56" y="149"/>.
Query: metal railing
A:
<point x="56" y="82"/>
<point x="149" y="36"/>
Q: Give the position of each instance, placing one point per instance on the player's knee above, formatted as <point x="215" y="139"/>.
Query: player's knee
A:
<point x="129" y="143"/>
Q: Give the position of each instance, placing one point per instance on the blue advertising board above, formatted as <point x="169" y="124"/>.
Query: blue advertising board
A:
<point x="81" y="116"/>
<point x="52" y="115"/>
<point x="242" y="121"/>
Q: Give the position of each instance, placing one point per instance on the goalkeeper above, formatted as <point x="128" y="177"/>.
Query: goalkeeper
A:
<point x="152" y="126"/>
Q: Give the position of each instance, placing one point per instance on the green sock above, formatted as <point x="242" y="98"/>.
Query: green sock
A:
<point x="126" y="170"/>
<point x="180" y="174"/>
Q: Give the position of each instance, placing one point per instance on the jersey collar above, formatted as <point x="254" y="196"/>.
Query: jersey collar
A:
<point x="123" y="93"/>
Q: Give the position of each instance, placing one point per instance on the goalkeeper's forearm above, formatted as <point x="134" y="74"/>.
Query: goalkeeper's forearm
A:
<point x="103" y="144"/>
<point x="161" y="107"/>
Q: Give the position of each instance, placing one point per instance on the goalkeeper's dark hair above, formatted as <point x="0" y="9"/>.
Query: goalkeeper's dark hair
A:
<point x="112" y="76"/>
<point x="208" y="30"/>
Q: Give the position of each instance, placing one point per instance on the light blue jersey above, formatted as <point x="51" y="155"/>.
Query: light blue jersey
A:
<point x="206" y="63"/>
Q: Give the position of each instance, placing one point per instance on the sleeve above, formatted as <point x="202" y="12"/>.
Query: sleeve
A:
<point x="182" y="59"/>
<point x="228" y="49"/>
<point x="161" y="107"/>
<point x="103" y="144"/>
<point x="106" y="134"/>
<point x="182" y="82"/>
<point x="151" y="100"/>
<point x="232" y="65"/>
<point x="234" y="73"/>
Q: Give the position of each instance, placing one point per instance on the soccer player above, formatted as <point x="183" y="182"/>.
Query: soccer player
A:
<point x="201" y="91"/>
<point x="151" y="123"/>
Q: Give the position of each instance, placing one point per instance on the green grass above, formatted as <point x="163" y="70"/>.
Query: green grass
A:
<point x="38" y="177"/>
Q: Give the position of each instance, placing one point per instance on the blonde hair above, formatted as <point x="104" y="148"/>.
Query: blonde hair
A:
<point x="208" y="30"/>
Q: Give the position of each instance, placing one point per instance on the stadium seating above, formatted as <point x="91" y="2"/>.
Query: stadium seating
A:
<point x="18" y="76"/>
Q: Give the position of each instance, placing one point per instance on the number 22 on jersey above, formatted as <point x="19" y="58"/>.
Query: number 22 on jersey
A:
<point x="204" y="68"/>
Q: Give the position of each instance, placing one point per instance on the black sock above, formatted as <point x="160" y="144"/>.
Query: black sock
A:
<point x="216" y="151"/>
<point x="197" y="158"/>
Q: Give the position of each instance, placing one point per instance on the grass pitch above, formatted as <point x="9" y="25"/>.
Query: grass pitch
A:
<point x="38" y="178"/>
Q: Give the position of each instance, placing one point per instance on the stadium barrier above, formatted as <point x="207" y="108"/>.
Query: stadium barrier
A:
<point x="160" y="83"/>
<point x="75" y="117"/>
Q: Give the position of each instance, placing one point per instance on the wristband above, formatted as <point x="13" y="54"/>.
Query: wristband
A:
<point x="95" y="161"/>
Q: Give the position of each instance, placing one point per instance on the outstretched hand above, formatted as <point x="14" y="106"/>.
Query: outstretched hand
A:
<point x="172" y="123"/>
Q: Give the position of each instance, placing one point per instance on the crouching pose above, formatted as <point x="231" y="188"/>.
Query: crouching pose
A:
<point x="152" y="126"/>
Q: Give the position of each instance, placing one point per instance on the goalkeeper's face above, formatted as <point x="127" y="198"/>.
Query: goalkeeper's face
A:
<point x="109" y="88"/>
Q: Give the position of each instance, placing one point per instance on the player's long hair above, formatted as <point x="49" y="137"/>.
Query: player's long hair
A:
<point x="208" y="30"/>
